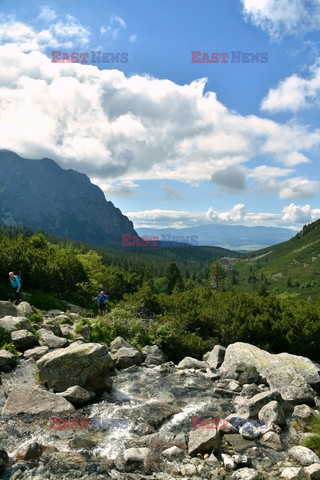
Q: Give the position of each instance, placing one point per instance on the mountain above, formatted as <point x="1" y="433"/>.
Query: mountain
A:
<point x="292" y="266"/>
<point x="234" y="237"/>
<point x="41" y="195"/>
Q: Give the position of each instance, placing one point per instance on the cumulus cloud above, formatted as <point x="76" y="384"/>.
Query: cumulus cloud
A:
<point x="232" y="178"/>
<point x="47" y="14"/>
<point x="283" y="17"/>
<point x="294" y="93"/>
<point x="138" y="127"/>
<point x="292" y="216"/>
<point x="119" y="189"/>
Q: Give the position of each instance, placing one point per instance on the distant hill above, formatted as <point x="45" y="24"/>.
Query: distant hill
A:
<point x="292" y="266"/>
<point x="234" y="237"/>
<point x="41" y="195"/>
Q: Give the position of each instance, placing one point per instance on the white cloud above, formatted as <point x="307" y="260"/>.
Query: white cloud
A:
<point x="120" y="189"/>
<point x="292" y="216"/>
<point x="283" y="17"/>
<point x="47" y="14"/>
<point x="114" y="27"/>
<point x="132" y="128"/>
<point x="294" y="93"/>
<point x="133" y="38"/>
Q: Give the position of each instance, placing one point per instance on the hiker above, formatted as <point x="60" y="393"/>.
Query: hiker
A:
<point x="102" y="299"/>
<point x="15" y="281"/>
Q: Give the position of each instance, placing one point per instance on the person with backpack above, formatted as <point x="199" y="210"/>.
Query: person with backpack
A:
<point x="15" y="281"/>
<point x="102" y="299"/>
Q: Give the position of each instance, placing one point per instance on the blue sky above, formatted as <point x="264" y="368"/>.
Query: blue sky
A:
<point x="171" y="142"/>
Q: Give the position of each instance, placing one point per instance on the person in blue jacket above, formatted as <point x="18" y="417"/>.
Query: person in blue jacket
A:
<point x="16" y="286"/>
<point x="102" y="299"/>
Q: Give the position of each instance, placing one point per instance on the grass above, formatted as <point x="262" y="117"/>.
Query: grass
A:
<point x="313" y="442"/>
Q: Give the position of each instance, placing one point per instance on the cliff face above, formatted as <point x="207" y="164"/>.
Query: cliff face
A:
<point x="41" y="195"/>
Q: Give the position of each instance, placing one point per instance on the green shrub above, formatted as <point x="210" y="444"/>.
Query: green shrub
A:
<point x="10" y="347"/>
<point x="36" y="318"/>
<point x="313" y="442"/>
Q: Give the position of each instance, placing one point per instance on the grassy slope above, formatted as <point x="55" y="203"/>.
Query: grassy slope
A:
<point x="292" y="266"/>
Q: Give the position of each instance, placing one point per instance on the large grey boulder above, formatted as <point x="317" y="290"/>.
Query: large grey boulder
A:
<point x="7" y="359"/>
<point x="10" y="323"/>
<point x="77" y="395"/>
<point x="87" y="365"/>
<point x="36" y="353"/>
<point x="34" y="400"/>
<point x="7" y="308"/>
<point x="303" y="455"/>
<point x="24" y="309"/>
<point x="189" y="362"/>
<point x="153" y="355"/>
<point x="293" y="376"/>
<point x="22" y="340"/>
<point x="51" y="340"/>
<point x="126" y="357"/>
<point x="118" y="343"/>
<point x="273" y="413"/>
<point x="204" y="441"/>
<point x="216" y="356"/>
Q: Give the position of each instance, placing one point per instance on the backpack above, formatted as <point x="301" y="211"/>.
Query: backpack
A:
<point x="19" y="278"/>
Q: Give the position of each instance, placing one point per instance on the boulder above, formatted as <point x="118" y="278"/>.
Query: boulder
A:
<point x="10" y="324"/>
<point x="295" y="377"/>
<point x="51" y="340"/>
<point x="303" y="455"/>
<point x="216" y="356"/>
<point x="34" y="400"/>
<point x="24" y="309"/>
<point x="118" y="343"/>
<point x="253" y="405"/>
<point x="7" y="308"/>
<point x="272" y="439"/>
<point x="7" y="359"/>
<point x="4" y="460"/>
<point x="172" y="452"/>
<point x="86" y="365"/>
<point x="77" y="395"/>
<point x="203" y="441"/>
<point x="36" y="353"/>
<point x="293" y="473"/>
<point x="189" y="362"/>
<point x="133" y="459"/>
<point x="272" y="412"/>
<point x="313" y="471"/>
<point x="126" y="357"/>
<point x="153" y="355"/>
<point x="31" y="451"/>
<point x="52" y="325"/>
<point x="22" y="340"/>
<point x="302" y="414"/>
<point x="247" y="474"/>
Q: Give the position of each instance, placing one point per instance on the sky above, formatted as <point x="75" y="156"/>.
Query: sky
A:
<point x="227" y="134"/>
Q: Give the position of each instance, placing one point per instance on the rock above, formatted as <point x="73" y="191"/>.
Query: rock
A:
<point x="313" y="471"/>
<point x="249" y="431"/>
<point x="216" y="356"/>
<point x="32" y="451"/>
<point x="7" y="308"/>
<point x="82" y="443"/>
<point x="118" y="343"/>
<point x="126" y="357"/>
<point x="36" y="353"/>
<point x="53" y="326"/>
<point x="252" y="407"/>
<point x="77" y="395"/>
<point x="22" y="340"/>
<point x="51" y="340"/>
<point x="293" y="376"/>
<point x="249" y="390"/>
<point x="54" y="312"/>
<point x="302" y="414"/>
<point x="63" y="320"/>
<point x="154" y="356"/>
<point x="228" y="462"/>
<point x="86" y="365"/>
<point x="189" y="362"/>
<point x="238" y="443"/>
<point x="272" y="412"/>
<point x="24" y="309"/>
<point x="246" y="474"/>
<point x="4" y="460"/>
<point x="234" y="386"/>
<point x="203" y="441"/>
<point x="7" y="359"/>
<point x="303" y="455"/>
<point x="75" y="309"/>
<point x="34" y="400"/>
<point x="141" y="459"/>
<point x="173" y="452"/>
<point x="242" y="460"/>
<point x="66" y="330"/>
<point x="272" y="439"/>
<point x="293" y="473"/>
<point x="10" y="324"/>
